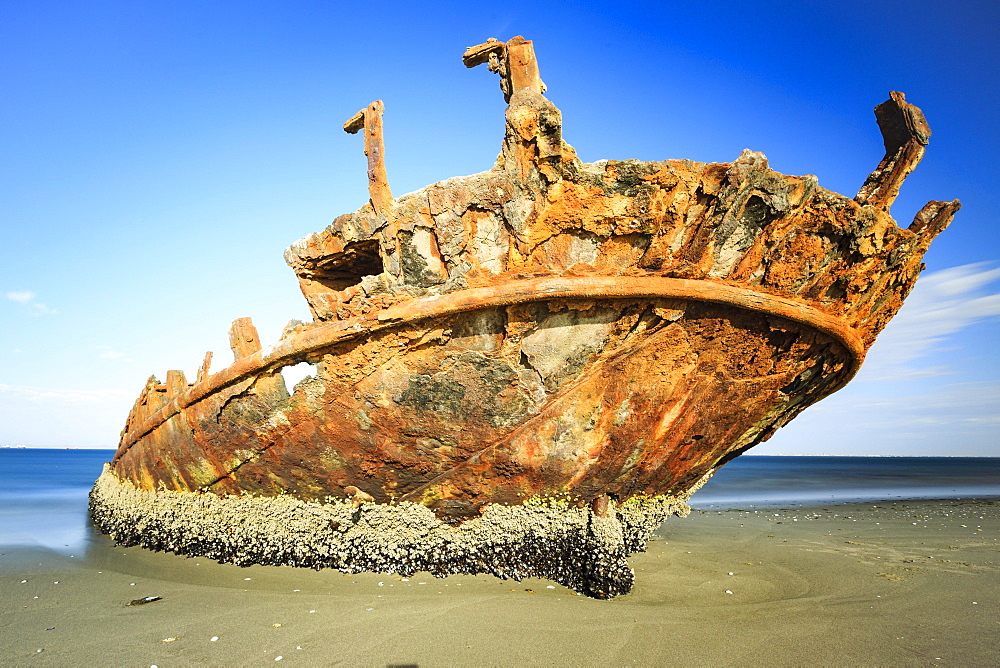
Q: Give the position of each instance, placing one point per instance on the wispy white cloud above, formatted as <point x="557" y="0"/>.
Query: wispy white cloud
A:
<point x="21" y="297"/>
<point x="59" y="416"/>
<point x="922" y="415"/>
<point x="942" y="304"/>
<point x="114" y="355"/>
<point x="959" y="418"/>
<point x="27" y="298"/>
<point x="63" y="396"/>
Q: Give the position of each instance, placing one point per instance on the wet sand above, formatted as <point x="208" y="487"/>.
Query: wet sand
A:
<point x="889" y="583"/>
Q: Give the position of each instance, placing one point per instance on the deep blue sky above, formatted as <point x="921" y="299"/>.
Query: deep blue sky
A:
<point x="156" y="158"/>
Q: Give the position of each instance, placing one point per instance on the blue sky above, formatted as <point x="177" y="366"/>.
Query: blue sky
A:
<point x="156" y="159"/>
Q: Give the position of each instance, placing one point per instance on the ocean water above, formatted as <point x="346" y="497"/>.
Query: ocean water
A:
<point x="43" y="492"/>
<point x="43" y="496"/>
<point x="760" y="481"/>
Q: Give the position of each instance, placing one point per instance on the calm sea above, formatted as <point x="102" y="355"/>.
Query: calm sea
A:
<point x="43" y="493"/>
<point x="761" y="481"/>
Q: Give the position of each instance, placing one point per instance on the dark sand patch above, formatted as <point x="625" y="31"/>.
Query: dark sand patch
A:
<point x="892" y="583"/>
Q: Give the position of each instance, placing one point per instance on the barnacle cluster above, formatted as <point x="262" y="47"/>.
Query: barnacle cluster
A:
<point x="543" y="537"/>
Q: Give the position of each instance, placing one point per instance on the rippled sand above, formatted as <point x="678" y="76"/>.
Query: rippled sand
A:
<point x="893" y="583"/>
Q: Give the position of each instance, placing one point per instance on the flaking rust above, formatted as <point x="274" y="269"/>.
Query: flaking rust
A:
<point x="524" y="371"/>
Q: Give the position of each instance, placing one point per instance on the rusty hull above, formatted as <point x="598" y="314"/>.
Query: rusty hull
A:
<point x="546" y="329"/>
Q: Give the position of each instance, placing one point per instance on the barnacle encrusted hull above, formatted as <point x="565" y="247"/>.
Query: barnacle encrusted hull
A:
<point x="532" y="365"/>
<point x="547" y="538"/>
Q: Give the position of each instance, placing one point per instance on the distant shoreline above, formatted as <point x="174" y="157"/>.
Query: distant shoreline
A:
<point x="55" y="447"/>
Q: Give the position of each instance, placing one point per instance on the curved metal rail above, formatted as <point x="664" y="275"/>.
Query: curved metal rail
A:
<point x="296" y="348"/>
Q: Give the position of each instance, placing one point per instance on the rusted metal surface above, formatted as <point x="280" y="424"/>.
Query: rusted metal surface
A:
<point x="303" y="345"/>
<point x="596" y="333"/>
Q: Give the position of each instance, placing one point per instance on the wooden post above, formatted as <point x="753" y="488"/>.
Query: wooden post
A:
<point x="933" y="218"/>
<point x="522" y="68"/>
<point x="206" y="364"/>
<point x="905" y="134"/>
<point x="370" y="120"/>
<point x="514" y="60"/>
<point x="243" y="338"/>
<point x="176" y="383"/>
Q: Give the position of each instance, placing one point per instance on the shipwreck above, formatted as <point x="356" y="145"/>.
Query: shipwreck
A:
<point x="522" y="372"/>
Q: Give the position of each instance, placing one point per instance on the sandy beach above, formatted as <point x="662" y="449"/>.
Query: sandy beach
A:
<point x="889" y="583"/>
